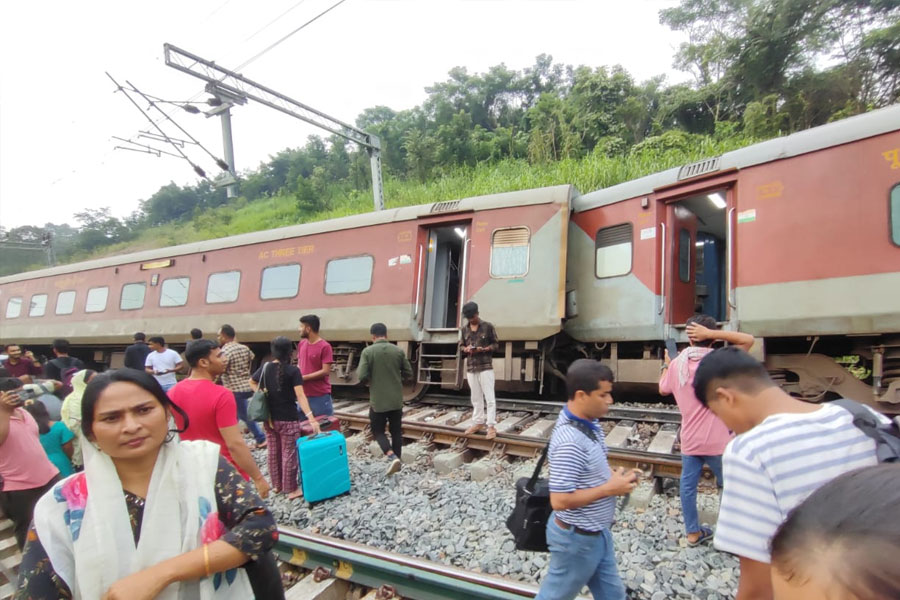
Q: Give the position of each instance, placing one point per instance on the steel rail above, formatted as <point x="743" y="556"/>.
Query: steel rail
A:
<point x="408" y="577"/>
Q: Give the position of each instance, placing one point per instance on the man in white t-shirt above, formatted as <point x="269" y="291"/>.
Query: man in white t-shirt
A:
<point x="162" y="362"/>
<point x="785" y="450"/>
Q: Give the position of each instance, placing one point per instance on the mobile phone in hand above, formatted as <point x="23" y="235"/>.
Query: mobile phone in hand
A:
<point x="671" y="348"/>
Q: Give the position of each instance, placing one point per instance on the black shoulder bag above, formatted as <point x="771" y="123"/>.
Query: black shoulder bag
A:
<point x="528" y="521"/>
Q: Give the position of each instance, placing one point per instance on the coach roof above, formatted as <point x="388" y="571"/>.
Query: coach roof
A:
<point x="560" y="194"/>
<point x="844" y="131"/>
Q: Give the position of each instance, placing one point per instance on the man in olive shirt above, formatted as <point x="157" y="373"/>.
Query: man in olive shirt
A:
<point x="383" y="366"/>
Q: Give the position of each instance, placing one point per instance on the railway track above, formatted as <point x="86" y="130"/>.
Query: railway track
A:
<point x="636" y="437"/>
<point x="385" y="574"/>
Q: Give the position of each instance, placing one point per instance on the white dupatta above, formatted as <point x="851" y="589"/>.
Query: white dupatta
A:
<point x="83" y="524"/>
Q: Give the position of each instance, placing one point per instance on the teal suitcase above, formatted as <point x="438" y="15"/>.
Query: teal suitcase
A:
<point x="324" y="470"/>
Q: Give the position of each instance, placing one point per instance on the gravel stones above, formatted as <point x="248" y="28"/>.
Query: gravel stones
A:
<point x="453" y="520"/>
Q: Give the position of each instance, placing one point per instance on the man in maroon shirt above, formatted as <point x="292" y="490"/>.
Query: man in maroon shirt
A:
<point x="21" y="366"/>
<point x="211" y="410"/>
<point x="314" y="358"/>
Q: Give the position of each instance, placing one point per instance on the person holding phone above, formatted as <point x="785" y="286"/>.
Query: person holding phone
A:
<point x="27" y="472"/>
<point x="163" y="363"/>
<point x="703" y="435"/>
<point x="583" y="490"/>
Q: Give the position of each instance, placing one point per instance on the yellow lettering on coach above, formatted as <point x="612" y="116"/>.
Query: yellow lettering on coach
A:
<point x="893" y="157"/>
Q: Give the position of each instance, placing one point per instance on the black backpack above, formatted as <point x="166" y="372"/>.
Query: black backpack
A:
<point x="528" y="521"/>
<point x="886" y="436"/>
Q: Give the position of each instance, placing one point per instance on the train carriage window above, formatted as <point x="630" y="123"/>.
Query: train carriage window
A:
<point x="349" y="275"/>
<point x="133" y="296"/>
<point x="65" y="302"/>
<point x="895" y="214"/>
<point x="684" y="255"/>
<point x="174" y="291"/>
<point x="38" y="305"/>
<point x="281" y="281"/>
<point x="223" y="287"/>
<point x="13" y="308"/>
<point x="96" y="299"/>
<point x="509" y="252"/>
<point x="613" y="250"/>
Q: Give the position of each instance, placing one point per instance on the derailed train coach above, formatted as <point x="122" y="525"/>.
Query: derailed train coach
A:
<point x="411" y="268"/>
<point x="795" y="240"/>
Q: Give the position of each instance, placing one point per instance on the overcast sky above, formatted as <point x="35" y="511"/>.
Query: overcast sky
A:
<point x="58" y="110"/>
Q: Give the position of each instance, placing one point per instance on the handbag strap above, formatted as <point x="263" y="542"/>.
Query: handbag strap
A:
<point x="537" y="469"/>
<point x="540" y="464"/>
<point x="262" y="379"/>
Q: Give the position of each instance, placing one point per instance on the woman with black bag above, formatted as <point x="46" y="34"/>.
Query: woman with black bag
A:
<point x="283" y="385"/>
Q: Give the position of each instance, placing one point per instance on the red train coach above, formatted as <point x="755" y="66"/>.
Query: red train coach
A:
<point x="411" y="268"/>
<point x="795" y="240"/>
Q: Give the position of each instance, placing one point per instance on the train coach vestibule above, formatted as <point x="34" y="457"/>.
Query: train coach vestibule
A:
<point x="698" y="256"/>
<point x="444" y="273"/>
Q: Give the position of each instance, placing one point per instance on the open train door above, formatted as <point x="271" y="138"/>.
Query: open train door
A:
<point x="698" y="265"/>
<point x="442" y="273"/>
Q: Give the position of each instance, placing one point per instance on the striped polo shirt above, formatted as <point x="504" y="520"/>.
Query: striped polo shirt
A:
<point x="773" y="467"/>
<point x="576" y="463"/>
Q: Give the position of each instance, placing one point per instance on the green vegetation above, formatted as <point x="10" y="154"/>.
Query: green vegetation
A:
<point x="762" y="68"/>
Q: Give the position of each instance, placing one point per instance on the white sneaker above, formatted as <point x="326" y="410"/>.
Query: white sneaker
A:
<point x="394" y="467"/>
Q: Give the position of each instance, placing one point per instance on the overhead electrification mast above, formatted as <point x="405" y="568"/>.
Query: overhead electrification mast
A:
<point x="233" y="88"/>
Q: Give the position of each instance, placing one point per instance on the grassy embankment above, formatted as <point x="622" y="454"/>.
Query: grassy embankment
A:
<point x="588" y="173"/>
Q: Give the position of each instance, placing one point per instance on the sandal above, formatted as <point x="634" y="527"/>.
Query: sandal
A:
<point x="260" y="445"/>
<point x="706" y="534"/>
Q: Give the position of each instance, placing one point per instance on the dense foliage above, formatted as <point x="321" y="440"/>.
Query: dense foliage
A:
<point x="761" y="68"/>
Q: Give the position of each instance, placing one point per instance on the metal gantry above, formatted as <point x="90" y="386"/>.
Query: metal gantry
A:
<point x="234" y="87"/>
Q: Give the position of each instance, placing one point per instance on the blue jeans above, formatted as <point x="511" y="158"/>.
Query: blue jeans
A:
<point x="691" y="467"/>
<point x="167" y="386"/>
<point x="320" y="405"/>
<point x="577" y="560"/>
<point x="241" y="399"/>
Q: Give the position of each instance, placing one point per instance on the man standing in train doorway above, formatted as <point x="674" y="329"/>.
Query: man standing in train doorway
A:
<point x="314" y="357"/>
<point x="479" y="342"/>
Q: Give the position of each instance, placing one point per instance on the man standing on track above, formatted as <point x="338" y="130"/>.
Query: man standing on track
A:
<point x="236" y="378"/>
<point x="314" y="357"/>
<point x="703" y="435"/>
<point x="163" y="363"/>
<point x="136" y="354"/>
<point x="211" y="413"/>
<point x="583" y="491"/>
<point x="384" y="366"/>
<point x="479" y="342"/>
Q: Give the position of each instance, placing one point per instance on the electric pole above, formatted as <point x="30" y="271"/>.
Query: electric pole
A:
<point x="233" y="88"/>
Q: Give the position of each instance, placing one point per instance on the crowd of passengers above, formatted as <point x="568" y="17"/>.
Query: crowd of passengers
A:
<point x="131" y="484"/>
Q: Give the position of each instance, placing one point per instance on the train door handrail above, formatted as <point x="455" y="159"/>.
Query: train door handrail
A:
<point x="463" y="282"/>
<point x="419" y="283"/>
<point x="732" y="301"/>
<point x="662" y="270"/>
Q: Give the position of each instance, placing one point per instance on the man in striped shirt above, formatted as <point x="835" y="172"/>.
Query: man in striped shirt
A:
<point x="236" y="378"/>
<point x="582" y="492"/>
<point x="785" y="449"/>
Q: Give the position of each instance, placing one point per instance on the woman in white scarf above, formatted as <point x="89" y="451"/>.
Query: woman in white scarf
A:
<point x="143" y="519"/>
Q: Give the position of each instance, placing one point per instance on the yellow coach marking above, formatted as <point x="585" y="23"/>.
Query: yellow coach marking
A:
<point x="893" y="157"/>
<point x="773" y="189"/>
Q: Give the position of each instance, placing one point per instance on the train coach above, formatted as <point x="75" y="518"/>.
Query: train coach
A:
<point x="795" y="240"/>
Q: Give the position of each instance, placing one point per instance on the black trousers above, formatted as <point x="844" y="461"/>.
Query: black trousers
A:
<point x="19" y="507"/>
<point x="392" y="419"/>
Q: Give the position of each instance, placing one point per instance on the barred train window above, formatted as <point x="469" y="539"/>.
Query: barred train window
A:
<point x="895" y="214"/>
<point x="96" y="299"/>
<point x="13" y="308"/>
<point x="281" y="281"/>
<point x="65" y="302"/>
<point x="223" y="287"/>
<point x="613" y="248"/>
<point x="133" y="296"/>
<point x="684" y="255"/>
<point x="509" y="252"/>
<point x="38" y="305"/>
<point x="174" y="291"/>
<point x="349" y="275"/>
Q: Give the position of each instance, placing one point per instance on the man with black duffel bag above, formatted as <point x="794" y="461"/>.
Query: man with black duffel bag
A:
<point x="583" y="490"/>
